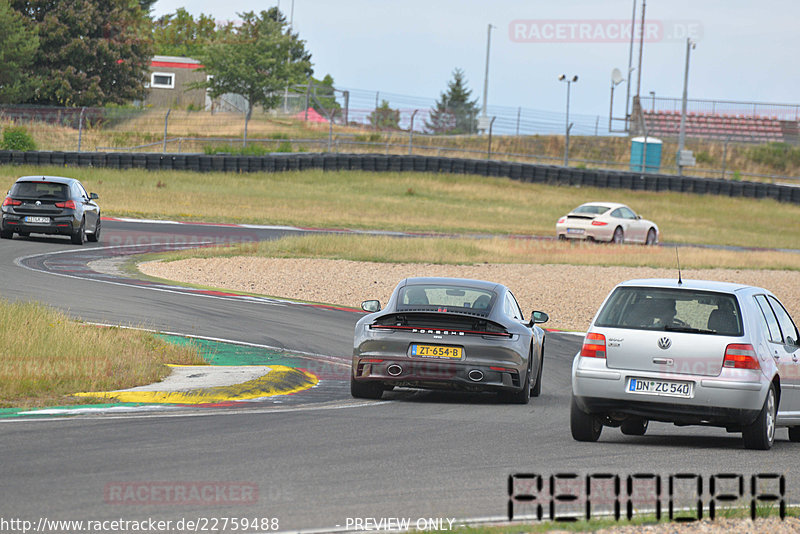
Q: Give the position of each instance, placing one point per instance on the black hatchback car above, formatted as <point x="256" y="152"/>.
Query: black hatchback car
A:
<point x="51" y="205"/>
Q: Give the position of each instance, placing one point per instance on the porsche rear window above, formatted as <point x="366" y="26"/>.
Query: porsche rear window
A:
<point x="445" y="297"/>
<point x="591" y="210"/>
<point x="672" y="310"/>
<point x="40" y="190"/>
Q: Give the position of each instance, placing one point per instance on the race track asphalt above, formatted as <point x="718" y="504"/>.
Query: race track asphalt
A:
<point x="321" y="457"/>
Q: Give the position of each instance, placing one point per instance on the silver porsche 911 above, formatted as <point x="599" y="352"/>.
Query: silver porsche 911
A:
<point x="448" y="333"/>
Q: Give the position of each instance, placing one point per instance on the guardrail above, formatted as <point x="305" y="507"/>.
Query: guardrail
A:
<point x="525" y="172"/>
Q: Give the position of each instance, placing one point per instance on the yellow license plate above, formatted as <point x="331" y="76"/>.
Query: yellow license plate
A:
<point x="436" y="351"/>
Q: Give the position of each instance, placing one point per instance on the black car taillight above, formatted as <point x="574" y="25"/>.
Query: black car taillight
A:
<point x="68" y="204"/>
<point x="12" y="202"/>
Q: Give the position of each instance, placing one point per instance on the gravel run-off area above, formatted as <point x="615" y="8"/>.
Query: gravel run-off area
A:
<point x="571" y="294"/>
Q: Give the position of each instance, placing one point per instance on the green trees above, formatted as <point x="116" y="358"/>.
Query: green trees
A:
<point x="90" y="52"/>
<point x="256" y="60"/>
<point x="454" y="112"/>
<point x="180" y="34"/>
<point x="98" y="52"/>
<point x="17" y="138"/>
<point x="17" y="47"/>
<point x="327" y="105"/>
<point x="385" y="118"/>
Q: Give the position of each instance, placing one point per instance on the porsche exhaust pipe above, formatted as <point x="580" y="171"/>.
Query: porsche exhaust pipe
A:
<point x="394" y="370"/>
<point x="475" y="375"/>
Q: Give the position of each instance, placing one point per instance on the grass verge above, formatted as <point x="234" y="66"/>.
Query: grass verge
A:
<point x="728" y="519"/>
<point x="48" y="357"/>
<point x="418" y="202"/>
<point x="465" y="251"/>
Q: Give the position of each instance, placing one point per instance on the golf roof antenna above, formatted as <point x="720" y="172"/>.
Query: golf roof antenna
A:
<point x="677" y="257"/>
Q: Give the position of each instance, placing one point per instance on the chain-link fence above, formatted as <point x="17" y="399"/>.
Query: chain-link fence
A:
<point x="301" y="124"/>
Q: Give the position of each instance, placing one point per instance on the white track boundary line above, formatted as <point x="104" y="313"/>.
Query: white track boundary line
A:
<point x="180" y="413"/>
<point x="272" y="302"/>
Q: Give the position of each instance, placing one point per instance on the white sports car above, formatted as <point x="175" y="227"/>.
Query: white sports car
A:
<point x="607" y="221"/>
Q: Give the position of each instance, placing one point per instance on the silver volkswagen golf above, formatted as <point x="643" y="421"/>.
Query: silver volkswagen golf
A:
<point x="690" y="353"/>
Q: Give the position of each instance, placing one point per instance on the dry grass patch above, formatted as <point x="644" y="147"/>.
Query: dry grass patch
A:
<point x="48" y="357"/>
<point x="466" y="251"/>
<point x="419" y="202"/>
<point x="135" y="127"/>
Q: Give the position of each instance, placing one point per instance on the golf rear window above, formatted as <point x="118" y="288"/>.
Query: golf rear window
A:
<point x="445" y="298"/>
<point x="40" y="190"/>
<point x="679" y="310"/>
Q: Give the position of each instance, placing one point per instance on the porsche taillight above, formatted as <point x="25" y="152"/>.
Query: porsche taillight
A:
<point x="594" y="346"/>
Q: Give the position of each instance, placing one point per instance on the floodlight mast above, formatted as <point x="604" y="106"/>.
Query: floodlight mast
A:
<point x="682" y="133"/>
<point x="486" y="74"/>
<point x="616" y="79"/>
<point x="568" y="126"/>
<point x="630" y="67"/>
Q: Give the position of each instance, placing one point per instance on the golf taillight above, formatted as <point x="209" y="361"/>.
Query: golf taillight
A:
<point x="12" y="202"/>
<point x="594" y="346"/>
<point x="740" y="356"/>
<point x="599" y="223"/>
<point x="68" y="204"/>
<point x="562" y="220"/>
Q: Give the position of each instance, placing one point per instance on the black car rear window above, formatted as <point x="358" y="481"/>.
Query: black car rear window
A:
<point x="678" y="310"/>
<point x="40" y="190"/>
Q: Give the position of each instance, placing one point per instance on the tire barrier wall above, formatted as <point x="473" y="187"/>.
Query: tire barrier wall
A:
<point x="525" y="172"/>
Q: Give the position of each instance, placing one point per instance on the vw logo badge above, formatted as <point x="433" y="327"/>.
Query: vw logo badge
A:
<point x="664" y="343"/>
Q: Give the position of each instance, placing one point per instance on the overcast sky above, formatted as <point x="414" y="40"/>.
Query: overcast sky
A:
<point x="747" y="50"/>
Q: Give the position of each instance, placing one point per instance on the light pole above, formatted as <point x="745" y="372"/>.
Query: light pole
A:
<point x="682" y="156"/>
<point x="616" y="79"/>
<point x="568" y="126"/>
<point x="630" y="66"/>
<point x="483" y="120"/>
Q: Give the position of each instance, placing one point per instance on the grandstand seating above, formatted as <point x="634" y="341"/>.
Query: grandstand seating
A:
<point x="736" y="128"/>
